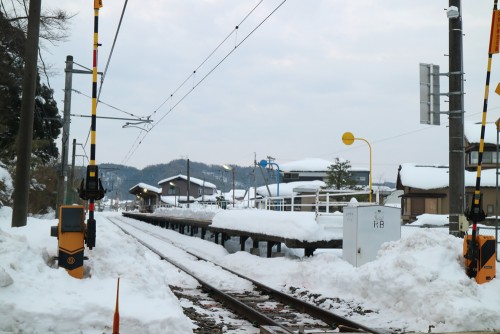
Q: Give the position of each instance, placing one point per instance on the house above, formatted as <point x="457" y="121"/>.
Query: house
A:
<point x="426" y="190"/>
<point x="426" y="187"/>
<point x="177" y="187"/>
<point x="472" y="137"/>
<point x="148" y="195"/>
<point x="315" y="169"/>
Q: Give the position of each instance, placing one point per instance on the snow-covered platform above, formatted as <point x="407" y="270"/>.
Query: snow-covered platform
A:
<point x="293" y="229"/>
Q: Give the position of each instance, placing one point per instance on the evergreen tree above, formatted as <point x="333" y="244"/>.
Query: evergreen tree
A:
<point x="47" y="122"/>
<point x="339" y="175"/>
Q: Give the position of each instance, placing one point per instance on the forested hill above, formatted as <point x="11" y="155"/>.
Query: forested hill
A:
<point x="118" y="179"/>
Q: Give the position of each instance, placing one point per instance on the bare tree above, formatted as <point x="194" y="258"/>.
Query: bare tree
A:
<point x="54" y="26"/>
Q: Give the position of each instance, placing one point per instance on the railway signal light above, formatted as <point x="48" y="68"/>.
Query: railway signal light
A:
<point x="91" y="187"/>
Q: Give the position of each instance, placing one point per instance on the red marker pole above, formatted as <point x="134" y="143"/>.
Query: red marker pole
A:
<point x="116" y="318"/>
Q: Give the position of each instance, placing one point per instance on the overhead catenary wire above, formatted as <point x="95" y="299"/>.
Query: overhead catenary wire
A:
<point x="144" y="134"/>
<point x="106" y="104"/>
<point x="112" y="49"/>
<point x="206" y="59"/>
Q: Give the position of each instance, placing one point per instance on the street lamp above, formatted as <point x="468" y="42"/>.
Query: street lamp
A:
<point x="348" y="138"/>
<point x="175" y="192"/>
<point x="227" y="167"/>
<point x="263" y="163"/>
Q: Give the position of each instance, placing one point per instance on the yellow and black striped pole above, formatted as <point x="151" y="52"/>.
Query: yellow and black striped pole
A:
<point x="476" y="213"/>
<point x="92" y="171"/>
<point x="97" y="5"/>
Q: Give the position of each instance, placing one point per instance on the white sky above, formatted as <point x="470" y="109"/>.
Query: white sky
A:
<point x="414" y="283"/>
<point x="311" y="72"/>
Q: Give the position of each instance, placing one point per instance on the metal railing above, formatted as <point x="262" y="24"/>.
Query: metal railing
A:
<point x="321" y="202"/>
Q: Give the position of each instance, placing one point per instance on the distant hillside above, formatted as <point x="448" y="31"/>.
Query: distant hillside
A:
<point x="118" y="179"/>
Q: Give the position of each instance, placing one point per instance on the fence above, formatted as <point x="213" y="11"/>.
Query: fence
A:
<point x="320" y="202"/>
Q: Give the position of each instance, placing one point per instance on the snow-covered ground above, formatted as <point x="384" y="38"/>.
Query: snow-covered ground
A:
<point x="416" y="282"/>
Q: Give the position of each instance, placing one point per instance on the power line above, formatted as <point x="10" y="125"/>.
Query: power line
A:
<point x="206" y="59"/>
<point x="144" y="134"/>
<point x="112" y="48"/>
<point x="399" y="135"/>
<point x="106" y="104"/>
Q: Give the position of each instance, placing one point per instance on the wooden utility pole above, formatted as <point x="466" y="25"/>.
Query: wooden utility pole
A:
<point x="25" y="132"/>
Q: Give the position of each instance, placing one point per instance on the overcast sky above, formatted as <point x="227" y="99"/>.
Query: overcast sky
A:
<point x="312" y="71"/>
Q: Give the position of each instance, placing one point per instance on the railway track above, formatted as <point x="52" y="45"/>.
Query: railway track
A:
<point x="271" y="310"/>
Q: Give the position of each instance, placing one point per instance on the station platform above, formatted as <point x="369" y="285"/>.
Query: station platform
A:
<point x="193" y="226"/>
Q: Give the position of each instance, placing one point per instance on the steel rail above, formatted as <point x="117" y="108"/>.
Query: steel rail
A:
<point x="244" y="310"/>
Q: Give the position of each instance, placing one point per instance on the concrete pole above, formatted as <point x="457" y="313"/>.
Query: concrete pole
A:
<point x="456" y="121"/>
<point x="72" y="175"/>
<point x="25" y="132"/>
<point x="63" y="180"/>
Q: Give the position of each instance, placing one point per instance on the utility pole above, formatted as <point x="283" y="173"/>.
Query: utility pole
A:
<point x="456" y="120"/>
<point x="71" y="180"/>
<point x="25" y="132"/>
<point x="62" y="179"/>
<point x="188" y="182"/>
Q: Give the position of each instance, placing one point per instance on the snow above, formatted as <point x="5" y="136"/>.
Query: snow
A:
<point x="199" y="182"/>
<point x="437" y="176"/>
<point x="148" y="187"/>
<point x="292" y="225"/>
<point x="416" y="282"/>
<point x="5" y="177"/>
<point x="430" y="219"/>
<point x="287" y="189"/>
<point x="472" y="133"/>
<point x="311" y="165"/>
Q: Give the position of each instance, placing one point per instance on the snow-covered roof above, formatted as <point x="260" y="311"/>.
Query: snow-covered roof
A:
<point x="194" y="180"/>
<point x="290" y="188"/>
<point x="147" y="186"/>
<point x="238" y="193"/>
<point x="312" y="165"/>
<point x="472" y="133"/>
<point x="435" y="177"/>
<point x="306" y="165"/>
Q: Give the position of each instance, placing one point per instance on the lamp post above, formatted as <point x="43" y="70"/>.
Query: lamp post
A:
<point x="263" y="163"/>
<point x="175" y="192"/>
<point x="348" y="138"/>
<point x="227" y="167"/>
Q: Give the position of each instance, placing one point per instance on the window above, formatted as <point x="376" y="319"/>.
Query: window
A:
<point x="291" y="176"/>
<point x="490" y="209"/>
<point x="489" y="157"/>
<point x="473" y="157"/>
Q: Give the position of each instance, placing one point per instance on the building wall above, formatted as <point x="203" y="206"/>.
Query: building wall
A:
<point x="181" y="189"/>
<point x="414" y="206"/>
<point x="362" y="177"/>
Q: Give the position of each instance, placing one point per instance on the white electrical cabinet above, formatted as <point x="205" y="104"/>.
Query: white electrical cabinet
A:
<point x="365" y="229"/>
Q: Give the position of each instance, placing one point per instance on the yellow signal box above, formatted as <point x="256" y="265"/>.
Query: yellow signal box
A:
<point x="485" y="257"/>
<point x="70" y="233"/>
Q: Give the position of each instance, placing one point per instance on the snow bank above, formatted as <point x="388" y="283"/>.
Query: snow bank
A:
<point x="291" y="225"/>
<point x="37" y="298"/>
